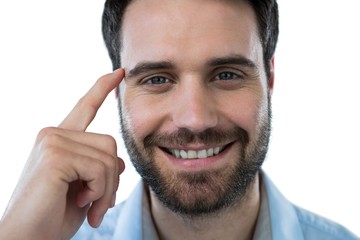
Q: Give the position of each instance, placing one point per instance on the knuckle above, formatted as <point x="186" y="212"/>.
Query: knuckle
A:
<point x="82" y="101"/>
<point x="110" y="144"/>
<point x="101" y="82"/>
<point x="51" y="156"/>
<point x="99" y="168"/>
<point x="50" y="141"/>
<point x="110" y="162"/>
<point x="45" y="132"/>
<point x="99" y="190"/>
<point x="51" y="153"/>
<point x="86" y="102"/>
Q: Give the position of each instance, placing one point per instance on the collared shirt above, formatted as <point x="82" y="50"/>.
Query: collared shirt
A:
<point x="278" y="220"/>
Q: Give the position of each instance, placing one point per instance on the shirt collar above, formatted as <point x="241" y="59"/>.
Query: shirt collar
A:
<point x="263" y="224"/>
<point x="129" y="224"/>
<point x="283" y="218"/>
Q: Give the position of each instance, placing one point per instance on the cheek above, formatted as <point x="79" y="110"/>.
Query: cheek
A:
<point x="245" y="110"/>
<point x="141" y="112"/>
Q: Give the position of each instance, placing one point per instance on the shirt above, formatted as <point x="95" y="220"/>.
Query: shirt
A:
<point x="278" y="219"/>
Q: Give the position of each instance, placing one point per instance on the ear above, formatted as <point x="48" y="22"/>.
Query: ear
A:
<point x="272" y="76"/>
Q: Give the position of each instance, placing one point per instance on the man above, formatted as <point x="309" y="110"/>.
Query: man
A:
<point x="194" y="93"/>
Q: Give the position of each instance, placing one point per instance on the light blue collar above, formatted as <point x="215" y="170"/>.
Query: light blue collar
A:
<point x="129" y="224"/>
<point x="283" y="217"/>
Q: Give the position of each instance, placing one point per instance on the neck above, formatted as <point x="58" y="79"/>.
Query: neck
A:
<point x="237" y="221"/>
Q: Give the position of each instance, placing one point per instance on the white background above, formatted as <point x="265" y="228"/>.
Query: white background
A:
<point x="51" y="52"/>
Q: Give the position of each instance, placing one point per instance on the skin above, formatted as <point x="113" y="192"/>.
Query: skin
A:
<point x="188" y="93"/>
<point x="56" y="188"/>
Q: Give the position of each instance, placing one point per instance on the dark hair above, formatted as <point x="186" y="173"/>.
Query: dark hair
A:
<point x="267" y="20"/>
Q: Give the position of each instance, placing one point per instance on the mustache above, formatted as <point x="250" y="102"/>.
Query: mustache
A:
<point x="183" y="136"/>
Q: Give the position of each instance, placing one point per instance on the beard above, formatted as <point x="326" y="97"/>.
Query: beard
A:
<point x="199" y="193"/>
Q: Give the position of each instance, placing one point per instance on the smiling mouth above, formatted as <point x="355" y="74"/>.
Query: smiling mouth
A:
<point x="195" y="154"/>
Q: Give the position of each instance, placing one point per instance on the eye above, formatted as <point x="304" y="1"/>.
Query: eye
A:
<point x="157" y="80"/>
<point x="229" y="79"/>
<point x="227" y="76"/>
<point x="157" y="83"/>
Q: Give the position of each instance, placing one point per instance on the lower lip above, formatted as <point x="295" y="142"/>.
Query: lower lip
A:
<point x="197" y="164"/>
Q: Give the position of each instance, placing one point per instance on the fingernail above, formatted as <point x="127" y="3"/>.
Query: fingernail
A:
<point x="119" y="70"/>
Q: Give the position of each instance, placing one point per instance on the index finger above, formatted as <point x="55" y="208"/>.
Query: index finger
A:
<point x="85" y="110"/>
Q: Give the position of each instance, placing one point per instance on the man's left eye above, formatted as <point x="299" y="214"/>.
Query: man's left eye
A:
<point x="226" y="76"/>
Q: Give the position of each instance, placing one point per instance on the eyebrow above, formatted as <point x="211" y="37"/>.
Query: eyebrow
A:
<point x="144" y="67"/>
<point x="232" y="59"/>
<point x="147" y="66"/>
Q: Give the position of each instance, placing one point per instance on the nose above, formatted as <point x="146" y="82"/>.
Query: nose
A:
<point x="195" y="107"/>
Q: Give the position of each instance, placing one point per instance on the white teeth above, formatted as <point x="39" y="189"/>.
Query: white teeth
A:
<point x="191" y="154"/>
<point x="183" y="154"/>
<point x="210" y="152"/>
<point x="202" y="154"/>
<point x="176" y="153"/>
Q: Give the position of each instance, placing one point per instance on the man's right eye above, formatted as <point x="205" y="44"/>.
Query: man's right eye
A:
<point x="157" y="80"/>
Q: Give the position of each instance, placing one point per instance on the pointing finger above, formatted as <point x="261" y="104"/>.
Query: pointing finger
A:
<point x="85" y="110"/>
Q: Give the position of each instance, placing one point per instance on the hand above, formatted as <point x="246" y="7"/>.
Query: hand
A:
<point x="69" y="175"/>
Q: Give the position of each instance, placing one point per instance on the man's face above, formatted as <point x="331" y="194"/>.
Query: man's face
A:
<point x="195" y="108"/>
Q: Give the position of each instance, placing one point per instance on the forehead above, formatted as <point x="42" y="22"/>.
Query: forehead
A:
<point x="188" y="29"/>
